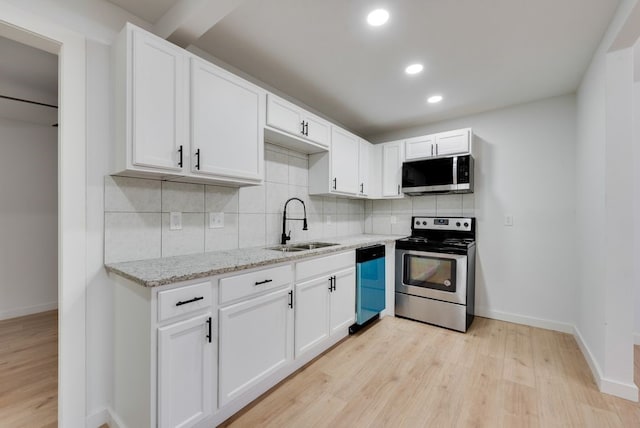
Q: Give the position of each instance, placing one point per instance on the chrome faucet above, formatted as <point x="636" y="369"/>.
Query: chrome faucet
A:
<point x="286" y="237"/>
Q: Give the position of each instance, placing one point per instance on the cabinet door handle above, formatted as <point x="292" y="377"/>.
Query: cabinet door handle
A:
<point x="432" y="150"/>
<point x="398" y="189"/>
<point x="291" y="299"/>
<point x="198" y="159"/>
<point x="436" y="150"/>
<point x="195" y="299"/>
<point x="209" y="329"/>
<point x="306" y="129"/>
<point x="335" y="183"/>
<point x="180" y="159"/>
<point x="361" y="187"/>
<point x="264" y="282"/>
<point x="334" y="283"/>
<point x="302" y="130"/>
<point x="330" y="284"/>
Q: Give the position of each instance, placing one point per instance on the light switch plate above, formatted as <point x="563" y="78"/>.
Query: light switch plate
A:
<point x="394" y="219"/>
<point x="508" y="220"/>
<point x="175" y="221"/>
<point x="216" y="220"/>
<point x="328" y="219"/>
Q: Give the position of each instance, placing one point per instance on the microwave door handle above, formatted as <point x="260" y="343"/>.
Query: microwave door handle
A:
<point x="455" y="170"/>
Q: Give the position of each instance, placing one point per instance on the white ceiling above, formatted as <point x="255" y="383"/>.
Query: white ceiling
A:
<point x="28" y="73"/>
<point x="479" y="54"/>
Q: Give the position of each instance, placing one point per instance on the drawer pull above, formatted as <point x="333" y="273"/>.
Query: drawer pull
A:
<point x="264" y="282"/>
<point x="209" y="328"/>
<point x="195" y="299"/>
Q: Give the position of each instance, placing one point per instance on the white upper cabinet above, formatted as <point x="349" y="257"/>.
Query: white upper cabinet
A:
<point x="453" y="142"/>
<point x="364" y="164"/>
<point x="392" y="158"/>
<point x="303" y="131"/>
<point x="344" y="161"/>
<point x="437" y="145"/>
<point x="181" y="118"/>
<point x="227" y="124"/>
<point x="151" y="102"/>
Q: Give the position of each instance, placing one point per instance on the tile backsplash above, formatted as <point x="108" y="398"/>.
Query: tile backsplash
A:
<point x="137" y="212"/>
<point x="394" y="216"/>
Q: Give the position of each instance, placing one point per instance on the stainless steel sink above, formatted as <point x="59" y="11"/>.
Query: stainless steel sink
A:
<point x="313" y="245"/>
<point x="301" y="247"/>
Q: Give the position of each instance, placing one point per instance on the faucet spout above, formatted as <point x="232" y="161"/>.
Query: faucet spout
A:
<point x="284" y="237"/>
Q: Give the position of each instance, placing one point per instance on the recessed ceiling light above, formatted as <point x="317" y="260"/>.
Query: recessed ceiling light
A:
<point x="414" y="69"/>
<point x="378" y="17"/>
<point x="434" y="99"/>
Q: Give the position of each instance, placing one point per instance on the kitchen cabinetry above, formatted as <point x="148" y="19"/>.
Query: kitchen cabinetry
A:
<point x="227" y="124"/>
<point x="310" y="133"/>
<point x="325" y="299"/>
<point x="256" y="336"/>
<point x="151" y="103"/>
<point x="185" y="371"/>
<point x="181" y="118"/>
<point x="364" y="164"/>
<point x="165" y="354"/>
<point x="392" y="158"/>
<point x="336" y="171"/>
<point x="441" y="144"/>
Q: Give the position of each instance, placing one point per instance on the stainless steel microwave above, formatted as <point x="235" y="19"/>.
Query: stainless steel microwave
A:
<point x="452" y="174"/>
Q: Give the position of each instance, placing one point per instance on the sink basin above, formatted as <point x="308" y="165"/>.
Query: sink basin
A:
<point x="313" y="245"/>
<point x="301" y="247"/>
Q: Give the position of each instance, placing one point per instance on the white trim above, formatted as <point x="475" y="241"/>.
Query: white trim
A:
<point x="636" y="338"/>
<point x="99" y="418"/>
<point x="27" y="310"/>
<point x="521" y="319"/>
<point x="40" y="32"/>
<point x="628" y="391"/>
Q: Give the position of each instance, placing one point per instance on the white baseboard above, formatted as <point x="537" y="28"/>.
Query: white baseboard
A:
<point x="104" y="416"/>
<point x="521" y="319"/>
<point x="27" y="310"/>
<point x="636" y="338"/>
<point x="628" y="391"/>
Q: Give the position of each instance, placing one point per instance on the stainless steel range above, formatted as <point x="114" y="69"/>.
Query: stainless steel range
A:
<point x="435" y="272"/>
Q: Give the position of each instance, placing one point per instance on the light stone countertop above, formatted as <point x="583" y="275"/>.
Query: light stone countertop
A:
<point x="169" y="270"/>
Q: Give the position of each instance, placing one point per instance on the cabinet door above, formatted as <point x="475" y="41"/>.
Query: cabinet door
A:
<point x="186" y="380"/>
<point x="363" y="167"/>
<point x="343" y="300"/>
<point x="344" y="158"/>
<point x="453" y="142"/>
<point x="312" y="313"/>
<point x="284" y="116"/>
<point x="419" y="147"/>
<point x="256" y="339"/>
<point x="226" y="124"/>
<point x="391" y="169"/>
<point x="158" y="102"/>
<point x="317" y="130"/>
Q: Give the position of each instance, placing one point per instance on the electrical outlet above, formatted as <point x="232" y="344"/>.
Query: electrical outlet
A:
<point x="175" y="221"/>
<point x="216" y="220"/>
<point x="508" y="220"/>
<point x="394" y="219"/>
<point x="329" y="219"/>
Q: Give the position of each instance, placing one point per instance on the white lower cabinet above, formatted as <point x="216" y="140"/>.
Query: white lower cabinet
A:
<point x="186" y="367"/>
<point x="256" y="339"/>
<point x="325" y="304"/>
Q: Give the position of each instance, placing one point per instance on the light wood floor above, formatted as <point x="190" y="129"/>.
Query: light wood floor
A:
<point x="402" y="373"/>
<point x="29" y="371"/>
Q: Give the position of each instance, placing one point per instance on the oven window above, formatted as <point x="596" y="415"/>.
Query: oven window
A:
<point x="430" y="272"/>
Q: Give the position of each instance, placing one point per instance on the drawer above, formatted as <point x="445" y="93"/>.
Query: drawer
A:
<point x="248" y="284"/>
<point x="184" y="300"/>
<point x="324" y="265"/>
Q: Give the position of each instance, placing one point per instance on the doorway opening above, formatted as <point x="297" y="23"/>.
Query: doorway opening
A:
<point x="29" y="231"/>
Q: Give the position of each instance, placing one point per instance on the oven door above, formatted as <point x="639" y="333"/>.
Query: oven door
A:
<point x="438" y="276"/>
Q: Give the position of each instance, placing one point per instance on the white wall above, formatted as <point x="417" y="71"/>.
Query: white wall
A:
<point x="525" y="168"/>
<point x="636" y="180"/>
<point x="28" y="218"/>
<point x="605" y="216"/>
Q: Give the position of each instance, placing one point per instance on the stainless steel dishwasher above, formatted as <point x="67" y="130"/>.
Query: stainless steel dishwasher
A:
<point x="370" y="285"/>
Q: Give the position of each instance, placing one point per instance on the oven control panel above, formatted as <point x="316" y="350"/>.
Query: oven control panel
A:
<point x="442" y="223"/>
